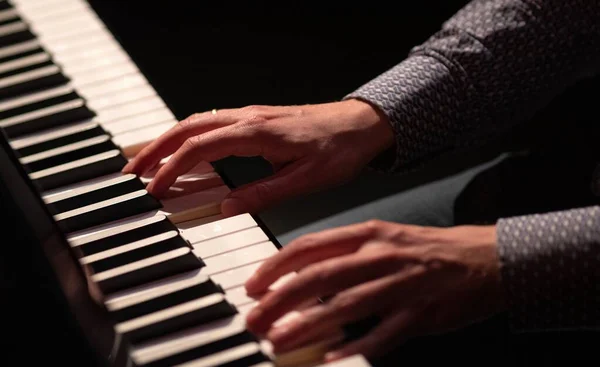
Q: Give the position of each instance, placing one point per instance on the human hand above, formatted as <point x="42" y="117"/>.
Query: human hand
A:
<point x="416" y="280"/>
<point x="311" y="147"/>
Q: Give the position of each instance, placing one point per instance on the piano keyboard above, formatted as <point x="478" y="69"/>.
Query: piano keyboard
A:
<point x="75" y="108"/>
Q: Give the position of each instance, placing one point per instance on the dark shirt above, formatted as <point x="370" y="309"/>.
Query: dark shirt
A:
<point x="491" y="66"/>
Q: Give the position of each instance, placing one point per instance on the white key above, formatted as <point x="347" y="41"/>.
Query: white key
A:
<point x="110" y="229"/>
<point x="141" y="264"/>
<point x="138" y="121"/>
<point x="99" y="205"/>
<point x="76" y="67"/>
<point x="84" y="55"/>
<point x="226" y="356"/>
<point x="149" y="241"/>
<point x="29" y="76"/>
<point x="188" y="339"/>
<point x="24" y="62"/>
<point x="104" y="74"/>
<point x="129" y="297"/>
<point x="142" y="136"/>
<point x="236" y="277"/>
<point x="75" y="164"/>
<point x="196" y="234"/>
<point x="18" y="48"/>
<point x="113" y="86"/>
<point x="132" y="108"/>
<point x="209" y="230"/>
<point x="113" y="179"/>
<point x="237" y="296"/>
<point x="244" y="256"/>
<point x="183" y="203"/>
<point x="109" y="102"/>
<point x="72" y="57"/>
<point x="79" y="41"/>
<point x="65" y="149"/>
<point x="42" y="112"/>
<point x="230" y="242"/>
<point x="36" y="97"/>
<point x="67" y="29"/>
<point x="65" y="10"/>
<point x="174" y="311"/>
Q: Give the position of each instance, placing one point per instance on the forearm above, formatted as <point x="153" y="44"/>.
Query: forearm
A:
<point x="492" y="65"/>
<point x="551" y="269"/>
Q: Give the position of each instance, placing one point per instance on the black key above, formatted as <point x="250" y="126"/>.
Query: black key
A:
<point x="142" y="229"/>
<point x="148" y="270"/>
<point x="72" y="134"/>
<point x="135" y="251"/>
<point x="196" y="286"/>
<point x="38" y="100"/>
<point x="116" y="208"/>
<point x="199" y="311"/>
<point x="68" y="153"/>
<point x="25" y="63"/>
<point x="32" y="80"/>
<point x="231" y="341"/>
<point x="5" y="5"/>
<point x="8" y="16"/>
<point x="242" y="355"/>
<point x="20" y="50"/>
<point x="14" y="33"/>
<point x="106" y="190"/>
<point x="78" y="171"/>
<point x="52" y="116"/>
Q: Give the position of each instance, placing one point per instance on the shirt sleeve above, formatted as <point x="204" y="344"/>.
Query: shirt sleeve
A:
<point x="551" y="269"/>
<point x="494" y="64"/>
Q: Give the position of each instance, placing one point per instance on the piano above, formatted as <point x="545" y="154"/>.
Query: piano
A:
<point x="138" y="281"/>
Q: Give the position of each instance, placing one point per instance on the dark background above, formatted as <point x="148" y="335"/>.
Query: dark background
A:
<point x="202" y="55"/>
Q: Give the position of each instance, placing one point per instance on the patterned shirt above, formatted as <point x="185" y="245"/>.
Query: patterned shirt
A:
<point x="491" y="66"/>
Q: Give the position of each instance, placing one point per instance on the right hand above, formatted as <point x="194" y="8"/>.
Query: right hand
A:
<point x="311" y="147"/>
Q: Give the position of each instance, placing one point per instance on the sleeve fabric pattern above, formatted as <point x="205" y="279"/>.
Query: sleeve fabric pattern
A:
<point x="491" y="66"/>
<point x="552" y="269"/>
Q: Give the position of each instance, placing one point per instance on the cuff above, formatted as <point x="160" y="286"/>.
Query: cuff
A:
<point x="551" y="269"/>
<point x="421" y="97"/>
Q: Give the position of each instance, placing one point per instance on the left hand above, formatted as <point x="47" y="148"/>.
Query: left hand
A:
<point x="416" y="280"/>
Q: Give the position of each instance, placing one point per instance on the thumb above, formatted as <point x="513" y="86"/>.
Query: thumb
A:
<point x="251" y="198"/>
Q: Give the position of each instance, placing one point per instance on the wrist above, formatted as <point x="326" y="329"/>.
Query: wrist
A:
<point x="373" y="121"/>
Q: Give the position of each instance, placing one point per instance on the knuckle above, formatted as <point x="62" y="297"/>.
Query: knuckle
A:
<point x="254" y="110"/>
<point x="305" y="243"/>
<point x="263" y="191"/>
<point x="343" y="302"/>
<point x="188" y="120"/>
<point x="373" y="226"/>
<point x="191" y="143"/>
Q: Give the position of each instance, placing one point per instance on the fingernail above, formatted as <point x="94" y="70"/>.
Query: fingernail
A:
<point x="332" y="356"/>
<point x="232" y="206"/>
<point x="127" y="168"/>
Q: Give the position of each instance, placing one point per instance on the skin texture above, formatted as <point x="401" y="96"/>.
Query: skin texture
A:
<point x="416" y="280"/>
<point x="311" y="148"/>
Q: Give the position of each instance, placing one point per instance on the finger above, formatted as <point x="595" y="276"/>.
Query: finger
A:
<point x="321" y="279"/>
<point x="390" y="333"/>
<point x="306" y="250"/>
<point x="357" y="303"/>
<point x="208" y="147"/>
<point x="170" y="141"/>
